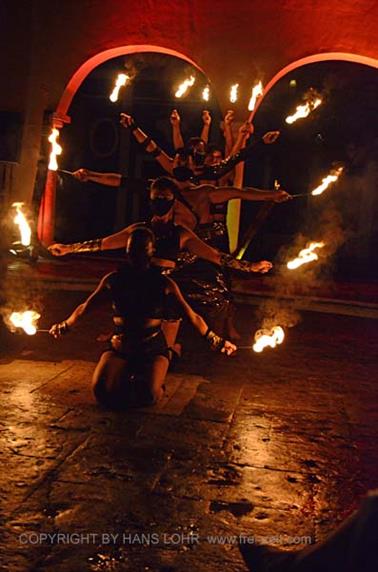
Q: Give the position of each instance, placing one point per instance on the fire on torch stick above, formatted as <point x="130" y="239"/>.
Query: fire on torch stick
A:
<point x="121" y="81"/>
<point x="184" y="86"/>
<point x="257" y="92"/>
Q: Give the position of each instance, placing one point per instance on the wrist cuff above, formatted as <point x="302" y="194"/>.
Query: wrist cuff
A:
<point x="87" y="246"/>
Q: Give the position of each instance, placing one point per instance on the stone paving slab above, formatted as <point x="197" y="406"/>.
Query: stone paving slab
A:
<point x="280" y="446"/>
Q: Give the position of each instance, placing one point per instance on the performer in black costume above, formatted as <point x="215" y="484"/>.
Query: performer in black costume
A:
<point x="170" y="240"/>
<point x="132" y="371"/>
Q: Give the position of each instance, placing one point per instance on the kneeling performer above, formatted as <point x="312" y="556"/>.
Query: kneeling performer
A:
<point x="132" y="371"/>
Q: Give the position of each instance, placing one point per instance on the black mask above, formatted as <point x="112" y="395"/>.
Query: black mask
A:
<point x="182" y="173"/>
<point x="199" y="158"/>
<point x="161" y="206"/>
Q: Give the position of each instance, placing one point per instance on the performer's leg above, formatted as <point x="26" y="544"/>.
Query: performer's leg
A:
<point x="111" y="385"/>
<point x="151" y="389"/>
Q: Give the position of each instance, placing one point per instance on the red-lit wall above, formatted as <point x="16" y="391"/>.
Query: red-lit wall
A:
<point x="48" y="41"/>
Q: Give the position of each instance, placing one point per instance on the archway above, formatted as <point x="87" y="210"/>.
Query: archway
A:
<point x="234" y="210"/>
<point x="46" y="220"/>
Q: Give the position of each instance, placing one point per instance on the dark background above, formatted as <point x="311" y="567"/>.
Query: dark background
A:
<point x="343" y="129"/>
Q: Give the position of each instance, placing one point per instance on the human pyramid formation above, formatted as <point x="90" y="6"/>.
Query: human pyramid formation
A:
<point x="177" y="262"/>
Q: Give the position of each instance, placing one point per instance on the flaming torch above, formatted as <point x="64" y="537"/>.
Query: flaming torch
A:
<point x="331" y="178"/>
<point x="268" y="338"/>
<point x="56" y="149"/>
<point x="184" y="86"/>
<point x="234" y="93"/>
<point x="306" y="255"/>
<point x="206" y="93"/>
<point x="26" y="320"/>
<point x="121" y="80"/>
<point x="257" y="92"/>
<point x="312" y="101"/>
<point x="23" y="225"/>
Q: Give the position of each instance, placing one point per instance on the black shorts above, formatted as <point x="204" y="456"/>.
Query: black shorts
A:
<point x="139" y="350"/>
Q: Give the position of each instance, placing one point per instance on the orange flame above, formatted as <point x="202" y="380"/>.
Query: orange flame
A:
<point x="184" y="86"/>
<point x="26" y="320"/>
<point x="313" y="101"/>
<point x="257" y="92"/>
<point x="331" y="178"/>
<point x="306" y="255"/>
<point x="268" y="338"/>
<point x="206" y="93"/>
<point x="234" y="92"/>
<point x="56" y="149"/>
<point x="121" y="80"/>
<point x="23" y="225"/>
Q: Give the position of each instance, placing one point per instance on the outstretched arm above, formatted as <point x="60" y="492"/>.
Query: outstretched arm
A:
<point x="108" y="179"/>
<point x="111" y="242"/>
<point x="175" y="119"/>
<point x="147" y="143"/>
<point x="97" y="297"/>
<point x="206" y="119"/>
<point x="196" y="246"/>
<point x="224" y="194"/>
<point x="215" y="341"/>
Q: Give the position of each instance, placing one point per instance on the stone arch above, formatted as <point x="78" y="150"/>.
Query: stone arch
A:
<point x="46" y="218"/>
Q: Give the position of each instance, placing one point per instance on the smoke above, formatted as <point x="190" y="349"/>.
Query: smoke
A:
<point x="291" y="287"/>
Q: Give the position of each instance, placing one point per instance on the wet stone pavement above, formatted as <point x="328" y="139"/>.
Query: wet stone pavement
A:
<point x="279" y="446"/>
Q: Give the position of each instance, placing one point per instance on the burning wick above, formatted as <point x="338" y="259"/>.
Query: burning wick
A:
<point x="304" y="110"/>
<point x="234" y="93"/>
<point x="268" y="338"/>
<point x="25" y="320"/>
<point x="306" y="255"/>
<point x="257" y="92"/>
<point x="120" y="82"/>
<point x="23" y="225"/>
<point x="56" y="149"/>
<point x="332" y="178"/>
<point x="184" y="86"/>
<point x="206" y="93"/>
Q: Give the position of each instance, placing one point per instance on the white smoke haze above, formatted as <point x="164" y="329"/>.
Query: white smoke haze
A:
<point x="291" y="287"/>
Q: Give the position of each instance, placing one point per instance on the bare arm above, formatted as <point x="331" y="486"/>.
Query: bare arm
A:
<point x="206" y="118"/>
<point x="108" y="179"/>
<point x="175" y="119"/>
<point x="224" y="194"/>
<point x="98" y="296"/>
<point x="151" y="147"/>
<point x="111" y="242"/>
<point x="199" y="323"/>
<point x="227" y="131"/>
<point x="196" y="246"/>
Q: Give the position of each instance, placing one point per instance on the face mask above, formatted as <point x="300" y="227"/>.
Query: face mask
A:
<point x="199" y="158"/>
<point x="160" y="206"/>
<point x="182" y="173"/>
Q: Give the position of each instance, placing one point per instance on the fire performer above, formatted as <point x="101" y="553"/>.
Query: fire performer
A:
<point x="132" y="371"/>
<point x="171" y="238"/>
<point x="198" y="170"/>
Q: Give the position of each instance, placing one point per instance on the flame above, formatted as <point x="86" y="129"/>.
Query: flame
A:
<point x="268" y="338"/>
<point x="313" y="101"/>
<point x="306" y="255"/>
<point x="23" y="225"/>
<point x="257" y="92"/>
<point x="234" y="92"/>
<point x="206" y="93"/>
<point x="331" y="178"/>
<point x="184" y="86"/>
<point x="25" y="320"/>
<point x="120" y="82"/>
<point x="56" y="149"/>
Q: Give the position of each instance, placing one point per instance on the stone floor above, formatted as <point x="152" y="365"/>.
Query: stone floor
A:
<point x="278" y="446"/>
